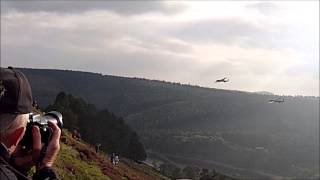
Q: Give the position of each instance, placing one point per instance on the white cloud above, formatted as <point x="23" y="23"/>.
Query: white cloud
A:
<point x="125" y="8"/>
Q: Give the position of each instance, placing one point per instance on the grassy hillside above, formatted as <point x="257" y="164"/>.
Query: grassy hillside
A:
<point x="78" y="160"/>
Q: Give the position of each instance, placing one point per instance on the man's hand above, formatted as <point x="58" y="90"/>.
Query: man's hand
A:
<point x="25" y="160"/>
<point x="53" y="147"/>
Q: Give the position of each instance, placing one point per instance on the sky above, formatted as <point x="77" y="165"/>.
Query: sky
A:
<point x="259" y="45"/>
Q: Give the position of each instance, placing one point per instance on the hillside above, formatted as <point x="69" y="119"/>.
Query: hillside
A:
<point x="78" y="160"/>
<point x="239" y="130"/>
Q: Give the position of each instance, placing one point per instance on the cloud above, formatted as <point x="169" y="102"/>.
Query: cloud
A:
<point x="253" y="53"/>
<point x="226" y="31"/>
<point x="247" y="34"/>
<point x="120" y="7"/>
<point x="265" y="8"/>
<point x="115" y="61"/>
<point x="92" y="42"/>
<point x="92" y="30"/>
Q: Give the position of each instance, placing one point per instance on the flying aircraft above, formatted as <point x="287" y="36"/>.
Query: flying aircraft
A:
<point x="222" y="80"/>
<point x="278" y="100"/>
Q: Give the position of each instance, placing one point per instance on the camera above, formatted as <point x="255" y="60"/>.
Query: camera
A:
<point x="42" y="122"/>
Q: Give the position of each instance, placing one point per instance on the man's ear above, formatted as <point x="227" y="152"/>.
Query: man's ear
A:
<point x="16" y="136"/>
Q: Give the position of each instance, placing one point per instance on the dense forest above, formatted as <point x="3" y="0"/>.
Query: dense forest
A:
<point x="231" y="131"/>
<point x="100" y="127"/>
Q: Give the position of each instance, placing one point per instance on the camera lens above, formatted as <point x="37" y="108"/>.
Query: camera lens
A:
<point x="55" y="117"/>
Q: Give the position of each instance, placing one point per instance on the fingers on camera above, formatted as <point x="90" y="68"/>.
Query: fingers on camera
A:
<point x="36" y="137"/>
<point x="56" y="134"/>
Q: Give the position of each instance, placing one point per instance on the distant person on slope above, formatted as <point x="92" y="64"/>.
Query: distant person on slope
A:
<point x="97" y="147"/>
<point x="112" y="158"/>
<point x="15" y="104"/>
<point x="116" y="159"/>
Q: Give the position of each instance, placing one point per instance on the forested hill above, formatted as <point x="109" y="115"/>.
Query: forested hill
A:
<point x="236" y="129"/>
<point x="171" y="105"/>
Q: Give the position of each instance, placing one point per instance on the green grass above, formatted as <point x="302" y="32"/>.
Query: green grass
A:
<point x="69" y="166"/>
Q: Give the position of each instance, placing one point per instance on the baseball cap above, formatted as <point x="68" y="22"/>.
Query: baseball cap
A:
<point x="15" y="92"/>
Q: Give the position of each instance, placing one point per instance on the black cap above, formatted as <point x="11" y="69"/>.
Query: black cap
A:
<point x="15" y="92"/>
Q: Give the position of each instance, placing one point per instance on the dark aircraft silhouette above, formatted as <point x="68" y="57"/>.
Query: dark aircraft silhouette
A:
<point x="278" y="100"/>
<point x="222" y="80"/>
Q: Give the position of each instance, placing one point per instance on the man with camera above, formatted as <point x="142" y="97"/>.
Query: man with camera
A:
<point x="15" y="105"/>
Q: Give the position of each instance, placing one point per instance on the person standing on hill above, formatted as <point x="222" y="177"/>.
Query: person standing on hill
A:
<point x="116" y="159"/>
<point x="15" y="106"/>
<point x="97" y="147"/>
<point x="112" y="158"/>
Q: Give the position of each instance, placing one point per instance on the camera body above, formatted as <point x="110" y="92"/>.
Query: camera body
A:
<point x="42" y="123"/>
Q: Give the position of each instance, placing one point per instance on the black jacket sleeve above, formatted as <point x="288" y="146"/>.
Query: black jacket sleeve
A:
<point x="45" y="174"/>
<point x="6" y="174"/>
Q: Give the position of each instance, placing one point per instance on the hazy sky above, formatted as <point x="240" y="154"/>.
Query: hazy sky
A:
<point x="260" y="46"/>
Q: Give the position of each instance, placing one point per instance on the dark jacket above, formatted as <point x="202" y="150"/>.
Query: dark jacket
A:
<point x="8" y="172"/>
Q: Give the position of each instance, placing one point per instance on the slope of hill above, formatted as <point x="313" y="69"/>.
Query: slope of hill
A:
<point x="78" y="160"/>
<point x="230" y="127"/>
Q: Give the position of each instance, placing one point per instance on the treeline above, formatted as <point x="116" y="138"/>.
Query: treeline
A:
<point x="243" y="150"/>
<point x="191" y="172"/>
<point x="98" y="126"/>
<point x="148" y="104"/>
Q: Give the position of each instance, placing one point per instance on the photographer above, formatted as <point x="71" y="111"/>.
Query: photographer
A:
<point x="15" y="104"/>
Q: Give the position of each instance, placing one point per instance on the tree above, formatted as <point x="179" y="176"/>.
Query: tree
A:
<point x="176" y="172"/>
<point x="204" y="172"/>
<point x="191" y="172"/>
<point x="99" y="126"/>
<point x="135" y="149"/>
<point x="170" y="170"/>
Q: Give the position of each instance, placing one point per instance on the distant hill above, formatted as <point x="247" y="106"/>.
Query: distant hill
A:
<point x="232" y="128"/>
